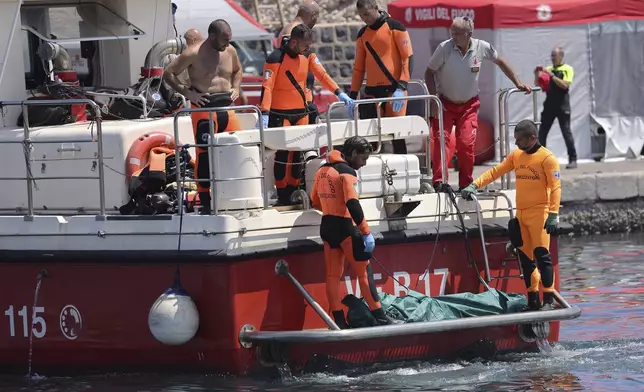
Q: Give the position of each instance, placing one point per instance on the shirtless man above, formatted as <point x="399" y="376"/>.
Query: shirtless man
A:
<point x="307" y="14"/>
<point x="215" y="77"/>
<point x="192" y="36"/>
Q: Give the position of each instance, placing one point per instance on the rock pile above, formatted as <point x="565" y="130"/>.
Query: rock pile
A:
<point x="333" y="11"/>
<point x="335" y="32"/>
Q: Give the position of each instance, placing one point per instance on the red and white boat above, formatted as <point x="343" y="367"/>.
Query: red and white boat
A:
<point x="83" y="287"/>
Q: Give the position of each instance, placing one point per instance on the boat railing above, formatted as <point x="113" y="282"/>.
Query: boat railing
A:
<point x="379" y="101"/>
<point x="479" y="221"/>
<point x="423" y="86"/>
<point x="27" y="144"/>
<point x="505" y="125"/>
<point x="211" y="156"/>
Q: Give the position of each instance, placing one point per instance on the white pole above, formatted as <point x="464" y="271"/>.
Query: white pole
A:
<point x="9" y="41"/>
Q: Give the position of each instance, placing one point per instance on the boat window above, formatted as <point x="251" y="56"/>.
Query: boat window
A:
<point x="76" y="22"/>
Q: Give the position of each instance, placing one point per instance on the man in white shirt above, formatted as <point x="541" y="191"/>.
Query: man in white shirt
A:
<point x="453" y="73"/>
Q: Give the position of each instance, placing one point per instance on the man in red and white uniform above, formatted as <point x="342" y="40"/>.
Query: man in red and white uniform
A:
<point x="453" y="72"/>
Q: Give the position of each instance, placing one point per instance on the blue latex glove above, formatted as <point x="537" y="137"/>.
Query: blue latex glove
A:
<point x="369" y="242"/>
<point x="398" y="105"/>
<point x="552" y="223"/>
<point x="468" y="191"/>
<point x="264" y="121"/>
<point x="347" y="101"/>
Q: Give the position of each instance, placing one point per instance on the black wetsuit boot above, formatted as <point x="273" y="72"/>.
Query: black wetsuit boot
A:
<point x="533" y="301"/>
<point x="204" y="201"/>
<point x="340" y="321"/>
<point x="548" y="301"/>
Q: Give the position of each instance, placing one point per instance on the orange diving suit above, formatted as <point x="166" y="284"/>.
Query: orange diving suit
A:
<point x="384" y="53"/>
<point x="538" y="193"/>
<point x="334" y="194"/>
<point x="284" y="101"/>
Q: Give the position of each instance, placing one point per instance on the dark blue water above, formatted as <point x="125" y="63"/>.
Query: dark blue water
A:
<point x="603" y="350"/>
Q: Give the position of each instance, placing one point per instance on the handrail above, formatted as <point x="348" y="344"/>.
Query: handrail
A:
<point x="144" y="102"/>
<point x="504" y="125"/>
<point x="210" y="146"/>
<point x="358" y="102"/>
<point x="423" y="86"/>
<point x="479" y="218"/>
<point x="27" y="151"/>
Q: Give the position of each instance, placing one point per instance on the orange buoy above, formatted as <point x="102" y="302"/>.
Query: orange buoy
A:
<point x="139" y="153"/>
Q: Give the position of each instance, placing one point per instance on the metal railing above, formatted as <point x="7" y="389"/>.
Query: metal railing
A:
<point x="210" y="146"/>
<point x="505" y="124"/>
<point x="423" y="86"/>
<point x="144" y="102"/>
<point x="27" y="142"/>
<point x="479" y="218"/>
<point x="379" y="101"/>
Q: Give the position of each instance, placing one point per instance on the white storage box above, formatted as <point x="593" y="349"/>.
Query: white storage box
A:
<point x="372" y="178"/>
<point x="236" y="162"/>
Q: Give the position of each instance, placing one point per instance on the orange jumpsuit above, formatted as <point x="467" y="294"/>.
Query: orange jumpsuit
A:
<point x="284" y="100"/>
<point x="334" y="194"/>
<point x="224" y="121"/>
<point x="384" y="53"/>
<point x="310" y="80"/>
<point x="538" y="192"/>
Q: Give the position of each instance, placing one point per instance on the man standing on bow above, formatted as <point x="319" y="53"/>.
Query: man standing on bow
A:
<point x="453" y="73"/>
<point x="557" y="103"/>
<point x="384" y="53"/>
<point x="538" y="196"/>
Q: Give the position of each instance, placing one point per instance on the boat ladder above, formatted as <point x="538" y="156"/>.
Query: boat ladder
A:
<point x="494" y="195"/>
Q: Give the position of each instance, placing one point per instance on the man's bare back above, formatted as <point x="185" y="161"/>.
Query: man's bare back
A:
<point x="213" y="66"/>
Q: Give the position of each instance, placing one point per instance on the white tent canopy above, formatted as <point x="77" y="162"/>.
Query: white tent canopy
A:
<point x="200" y="13"/>
<point x="602" y="41"/>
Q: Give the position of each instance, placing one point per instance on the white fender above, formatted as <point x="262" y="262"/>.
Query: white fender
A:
<point x="173" y="318"/>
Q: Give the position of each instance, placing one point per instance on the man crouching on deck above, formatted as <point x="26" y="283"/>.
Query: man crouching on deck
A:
<point x="215" y="76"/>
<point x="538" y="194"/>
<point x="344" y="230"/>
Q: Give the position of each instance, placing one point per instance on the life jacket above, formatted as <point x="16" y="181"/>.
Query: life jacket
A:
<point x="153" y="188"/>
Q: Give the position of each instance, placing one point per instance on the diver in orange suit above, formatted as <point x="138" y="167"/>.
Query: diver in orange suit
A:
<point x="538" y="195"/>
<point x="307" y="14"/>
<point x="215" y="77"/>
<point x="343" y="229"/>
<point x="384" y="53"/>
<point x="283" y="101"/>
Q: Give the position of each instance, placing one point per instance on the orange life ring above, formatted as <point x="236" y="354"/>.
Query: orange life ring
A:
<point x="139" y="153"/>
